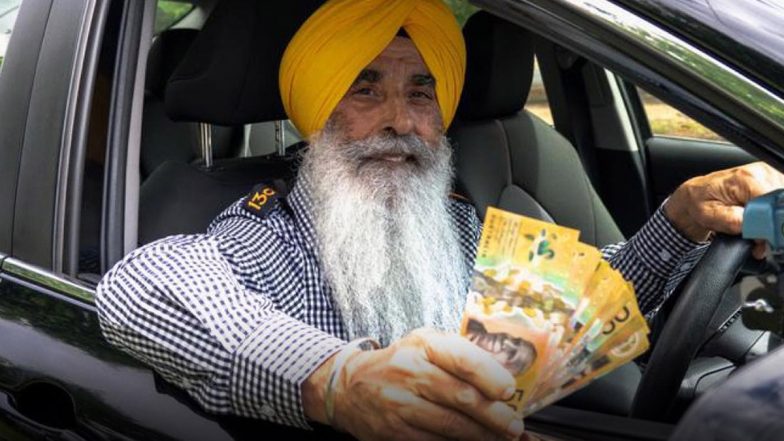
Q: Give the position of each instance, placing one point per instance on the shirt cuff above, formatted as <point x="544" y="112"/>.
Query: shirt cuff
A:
<point x="271" y="364"/>
<point x="659" y="246"/>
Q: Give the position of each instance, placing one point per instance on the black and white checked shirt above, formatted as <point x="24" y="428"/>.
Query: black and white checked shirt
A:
<point x="240" y="316"/>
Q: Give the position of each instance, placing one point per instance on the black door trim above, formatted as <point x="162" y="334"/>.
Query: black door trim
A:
<point x="120" y="119"/>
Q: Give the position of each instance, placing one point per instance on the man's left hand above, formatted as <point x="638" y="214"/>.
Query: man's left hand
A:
<point x="715" y="202"/>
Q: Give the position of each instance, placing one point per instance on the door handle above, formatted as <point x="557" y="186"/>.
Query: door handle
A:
<point x="59" y="420"/>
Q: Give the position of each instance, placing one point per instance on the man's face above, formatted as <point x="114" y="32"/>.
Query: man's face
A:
<point x="394" y="95"/>
<point x="380" y="172"/>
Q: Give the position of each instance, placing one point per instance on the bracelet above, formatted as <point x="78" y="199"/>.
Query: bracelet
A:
<point x="360" y="344"/>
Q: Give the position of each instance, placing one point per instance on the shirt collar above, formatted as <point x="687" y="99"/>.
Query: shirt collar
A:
<point x="301" y="204"/>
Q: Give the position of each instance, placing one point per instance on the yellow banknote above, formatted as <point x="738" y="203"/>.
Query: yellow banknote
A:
<point x="549" y="309"/>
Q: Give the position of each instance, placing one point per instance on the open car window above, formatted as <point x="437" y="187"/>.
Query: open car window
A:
<point x="665" y="120"/>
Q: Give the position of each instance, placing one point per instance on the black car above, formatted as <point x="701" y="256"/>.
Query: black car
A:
<point x="124" y="121"/>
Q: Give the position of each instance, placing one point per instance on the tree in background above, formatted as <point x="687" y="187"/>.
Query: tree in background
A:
<point x="462" y="9"/>
<point x="170" y="12"/>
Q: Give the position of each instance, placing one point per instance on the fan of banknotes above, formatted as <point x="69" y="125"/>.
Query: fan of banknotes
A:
<point x="549" y="309"/>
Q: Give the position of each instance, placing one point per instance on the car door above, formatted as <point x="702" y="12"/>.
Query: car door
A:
<point x="59" y="378"/>
<point x="592" y="105"/>
<point x="70" y="81"/>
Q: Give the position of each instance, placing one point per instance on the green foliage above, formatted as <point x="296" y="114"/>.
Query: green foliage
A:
<point x="170" y="12"/>
<point x="462" y="9"/>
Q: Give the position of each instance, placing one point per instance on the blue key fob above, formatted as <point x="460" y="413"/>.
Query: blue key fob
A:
<point x="763" y="219"/>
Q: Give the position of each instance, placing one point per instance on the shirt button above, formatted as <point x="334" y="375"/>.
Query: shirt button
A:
<point x="267" y="411"/>
<point x="664" y="255"/>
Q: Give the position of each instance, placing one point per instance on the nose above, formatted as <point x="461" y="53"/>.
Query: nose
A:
<point x="399" y="118"/>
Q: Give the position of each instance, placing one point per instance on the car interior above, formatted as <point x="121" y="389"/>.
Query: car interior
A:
<point x="213" y="127"/>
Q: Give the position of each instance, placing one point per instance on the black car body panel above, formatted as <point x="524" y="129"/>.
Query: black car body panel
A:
<point x="49" y="341"/>
<point x="60" y="379"/>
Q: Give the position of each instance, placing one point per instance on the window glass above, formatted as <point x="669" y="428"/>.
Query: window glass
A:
<point x="537" y="102"/>
<point x="462" y="9"/>
<point x="665" y="120"/>
<point x="170" y="12"/>
<point x="537" y="99"/>
<point x="261" y="138"/>
<point x="8" y="12"/>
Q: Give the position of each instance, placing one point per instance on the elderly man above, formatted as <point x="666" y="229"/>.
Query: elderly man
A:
<point x="253" y="317"/>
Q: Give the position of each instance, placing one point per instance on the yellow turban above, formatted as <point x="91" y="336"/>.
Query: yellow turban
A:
<point x="343" y="36"/>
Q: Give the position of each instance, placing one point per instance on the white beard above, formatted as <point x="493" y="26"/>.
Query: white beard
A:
<point x="387" y="244"/>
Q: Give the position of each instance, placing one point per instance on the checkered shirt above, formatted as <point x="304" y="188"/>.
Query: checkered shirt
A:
<point x="240" y="316"/>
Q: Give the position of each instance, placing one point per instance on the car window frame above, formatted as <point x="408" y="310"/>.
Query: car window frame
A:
<point x="16" y="83"/>
<point x="51" y="126"/>
<point x="642" y="120"/>
<point x="119" y="235"/>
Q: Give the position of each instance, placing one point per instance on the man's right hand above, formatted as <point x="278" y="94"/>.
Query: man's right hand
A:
<point x="426" y="386"/>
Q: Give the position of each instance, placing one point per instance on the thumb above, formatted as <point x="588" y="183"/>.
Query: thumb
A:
<point x="722" y="218"/>
<point x="470" y="363"/>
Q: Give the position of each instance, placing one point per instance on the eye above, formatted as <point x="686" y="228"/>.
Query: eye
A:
<point x="423" y="95"/>
<point x="366" y="91"/>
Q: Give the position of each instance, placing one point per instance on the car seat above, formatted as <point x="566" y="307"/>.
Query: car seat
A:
<point x="226" y="76"/>
<point x="162" y="138"/>
<point x="509" y="158"/>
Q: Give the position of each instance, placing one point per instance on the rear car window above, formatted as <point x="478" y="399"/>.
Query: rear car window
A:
<point x="537" y="102"/>
<point x="170" y="12"/>
<point x="8" y="12"/>
<point x="462" y="9"/>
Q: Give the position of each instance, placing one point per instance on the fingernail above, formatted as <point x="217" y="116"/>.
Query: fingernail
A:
<point x="515" y="429"/>
<point x="509" y="393"/>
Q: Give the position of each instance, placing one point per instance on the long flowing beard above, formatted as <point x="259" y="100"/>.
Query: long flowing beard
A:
<point x="387" y="243"/>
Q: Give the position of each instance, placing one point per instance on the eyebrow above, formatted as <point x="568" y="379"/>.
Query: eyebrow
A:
<point x="369" y="75"/>
<point x="374" y="76"/>
<point x="423" y="80"/>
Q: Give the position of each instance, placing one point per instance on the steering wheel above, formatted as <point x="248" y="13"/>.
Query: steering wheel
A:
<point x="684" y="331"/>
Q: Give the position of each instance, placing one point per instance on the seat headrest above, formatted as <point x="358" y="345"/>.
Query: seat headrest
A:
<point x="230" y="74"/>
<point x="166" y="52"/>
<point x="499" y="69"/>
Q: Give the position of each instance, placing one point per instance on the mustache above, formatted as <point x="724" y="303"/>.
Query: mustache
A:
<point x="410" y="148"/>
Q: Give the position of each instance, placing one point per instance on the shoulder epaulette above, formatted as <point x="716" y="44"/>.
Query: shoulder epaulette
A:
<point x="264" y="198"/>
